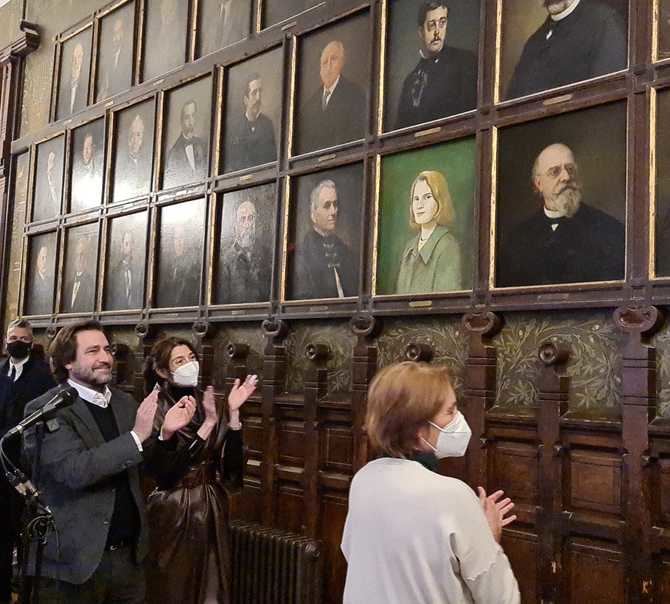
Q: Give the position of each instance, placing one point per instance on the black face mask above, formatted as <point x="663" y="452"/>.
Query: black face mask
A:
<point x="18" y="349"/>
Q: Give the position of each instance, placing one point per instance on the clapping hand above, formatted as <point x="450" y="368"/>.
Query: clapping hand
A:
<point x="144" y="418"/>
<point x="241" y="392"/>
<point x="178" y="417"/>
<point x="209" y="405"/>
<point x="496" y="510"/>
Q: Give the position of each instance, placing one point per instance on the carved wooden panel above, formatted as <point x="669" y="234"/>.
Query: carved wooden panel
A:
<point x="595" y="481"/>
<point x="595" y="573"/>
<point x="523" y="551"/>
<point x="515" y="470"/>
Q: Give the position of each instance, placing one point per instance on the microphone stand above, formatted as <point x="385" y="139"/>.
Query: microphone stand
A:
<point x="38" y="519"/>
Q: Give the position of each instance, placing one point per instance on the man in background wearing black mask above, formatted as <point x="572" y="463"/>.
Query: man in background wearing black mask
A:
<point x="23" y="377"/>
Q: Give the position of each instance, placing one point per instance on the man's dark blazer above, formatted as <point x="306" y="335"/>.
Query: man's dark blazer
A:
<point x="181" y="285"/>
<point x="34" y="381"/>
<point x="178" y="170"/>
<point x="41" y="294"/>
<point x="341" y="122"/>
<point x="85" y="300"/>
<point x="590" y="246"/>
<point x="251" y="144"/>
<point x="589" y="42"/>
<point x="115" y="295"/>
<point x="439" y="86"/>
<point x="315" y="259"/>
<point x="76" y="465"/>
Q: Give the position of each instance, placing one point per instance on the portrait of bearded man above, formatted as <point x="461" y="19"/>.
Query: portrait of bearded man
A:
<point x="566" y="240"/>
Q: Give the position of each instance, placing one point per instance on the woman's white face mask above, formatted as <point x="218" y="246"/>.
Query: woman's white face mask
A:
<point x="187" y="374"/>
<point x="453" y="438"/>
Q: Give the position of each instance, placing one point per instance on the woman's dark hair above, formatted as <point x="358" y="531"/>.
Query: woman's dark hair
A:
<point x="63" y="348"/>
<point x="159" y="358"/>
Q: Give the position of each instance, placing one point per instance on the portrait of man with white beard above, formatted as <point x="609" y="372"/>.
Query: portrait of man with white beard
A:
<point x="245" y="268"/>
<point x="566" y="240"/>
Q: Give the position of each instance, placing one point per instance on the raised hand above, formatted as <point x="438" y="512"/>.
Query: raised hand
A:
<point x="209" y="405"/>
<point x="144" y="418"/>
<point x="178" y="417"/>
<point x="496" y="510"/>
<point x="241" y="392"/>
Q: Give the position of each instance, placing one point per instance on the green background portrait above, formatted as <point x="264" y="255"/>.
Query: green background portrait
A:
<point x="456" y="161"/>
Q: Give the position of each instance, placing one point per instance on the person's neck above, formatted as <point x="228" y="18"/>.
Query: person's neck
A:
<point x="322" y="233"/>
<point x="427" y="231"/>
<point x="16" y="361"/>
<point x="252" y="117"/>
<point x="425" y="54"/>
<point x="97" y="387"/>
<point x="332" y="87"/>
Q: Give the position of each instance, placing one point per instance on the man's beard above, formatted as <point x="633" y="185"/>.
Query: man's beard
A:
<point x="246" y="238"/>
<point x="91" y="377"/>
<point x="567" y="202"/>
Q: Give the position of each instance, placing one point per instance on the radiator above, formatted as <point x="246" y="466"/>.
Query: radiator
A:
<point x="272" y="566"/>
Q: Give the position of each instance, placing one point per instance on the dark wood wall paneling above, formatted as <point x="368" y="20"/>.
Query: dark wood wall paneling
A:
<point x="591" y="492"/>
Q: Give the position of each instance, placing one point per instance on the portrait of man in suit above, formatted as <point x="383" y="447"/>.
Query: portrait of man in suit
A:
<point x="48" y="179"/>
<point x="180" y="254"/>
<point x="40" y="275"/>
<point x="187" y="157"/>
<point x="578" y="40"/>
<point x="444" y="81"/>
<point x="79" y="284"/>
<point x="87" y="168"/>
<point x="222" y="22"/>
<point x="336" y="111"/>
<point x="325" y="266"/>
<point x="246" y="260"/>
<point x="566" y="239"/>
<point x="124" y="280"/>
<point x="253" y="138"/>
<point x="75" y="71"/>
<point x="116" y="53"/>
<point x="134" y="154"/>
<point x="165" y="20"/>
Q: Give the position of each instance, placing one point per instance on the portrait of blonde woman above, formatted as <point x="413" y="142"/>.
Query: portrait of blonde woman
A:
<point x="431" y="260"/>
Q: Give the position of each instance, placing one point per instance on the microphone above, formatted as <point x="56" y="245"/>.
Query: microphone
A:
<point x="63" y="398"/>
<point x="24" y="487"/>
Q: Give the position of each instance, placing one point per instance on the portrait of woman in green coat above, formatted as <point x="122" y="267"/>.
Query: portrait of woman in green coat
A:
<point x="431" y="260"/>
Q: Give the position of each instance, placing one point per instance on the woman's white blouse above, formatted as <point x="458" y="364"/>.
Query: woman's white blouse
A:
<point x="415" y="537"/>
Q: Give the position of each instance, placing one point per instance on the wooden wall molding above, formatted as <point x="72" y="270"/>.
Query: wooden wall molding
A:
<point x="12" y="59"/>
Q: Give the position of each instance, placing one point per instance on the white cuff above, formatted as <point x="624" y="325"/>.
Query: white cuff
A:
<point x="137" y="440"/>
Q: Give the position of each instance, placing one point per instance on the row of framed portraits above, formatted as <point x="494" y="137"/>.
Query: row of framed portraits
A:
<point x="430" y="54"/>
<point x="559" y="211"/>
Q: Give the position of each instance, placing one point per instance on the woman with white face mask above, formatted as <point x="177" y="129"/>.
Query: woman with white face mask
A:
<point x="189" y="559"/>
<point x="411" y="534"/>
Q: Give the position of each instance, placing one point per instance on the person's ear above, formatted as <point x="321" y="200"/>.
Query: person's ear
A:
<point x="423" y="433"/>
<point x="162" y="373"/>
